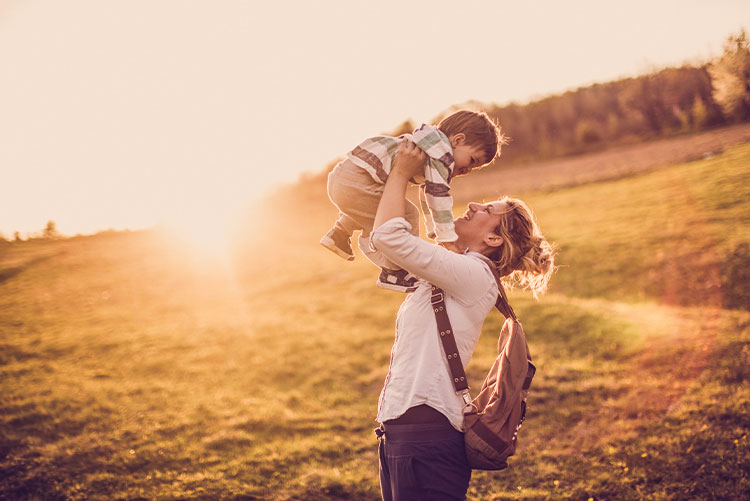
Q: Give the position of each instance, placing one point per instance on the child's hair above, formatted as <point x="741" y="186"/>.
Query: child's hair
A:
<point x="525" y="256"/>
<point x="479" y="130"/>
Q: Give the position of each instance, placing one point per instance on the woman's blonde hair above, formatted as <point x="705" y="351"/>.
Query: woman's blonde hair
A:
<point x="525" y="257"/>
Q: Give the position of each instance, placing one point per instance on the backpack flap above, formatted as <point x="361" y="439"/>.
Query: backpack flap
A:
<point x="491" y="432"/>
<point x="529" y="376"/>
<point x="503" y="344"/>
<point x="504" y="337"/>
<point x="499" y="409"/>
<point x="513" y="369"/>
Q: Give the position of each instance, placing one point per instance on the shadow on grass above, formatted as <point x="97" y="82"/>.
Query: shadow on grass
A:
<point x="10" y="272"/>
<point x="698" y="449"/>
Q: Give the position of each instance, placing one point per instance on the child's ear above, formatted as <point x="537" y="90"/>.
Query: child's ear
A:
<point x="458" y="139"/>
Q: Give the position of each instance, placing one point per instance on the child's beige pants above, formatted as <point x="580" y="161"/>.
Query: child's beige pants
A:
<point x="356" y="194"/>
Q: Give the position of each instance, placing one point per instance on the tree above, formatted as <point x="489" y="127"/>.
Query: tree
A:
<point x="730" y="77"/>
<point x="699" y="113"/>
<point x="50" y="231"/>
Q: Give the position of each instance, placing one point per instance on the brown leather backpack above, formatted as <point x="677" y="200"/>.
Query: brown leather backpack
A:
<point x="493" y="418"/>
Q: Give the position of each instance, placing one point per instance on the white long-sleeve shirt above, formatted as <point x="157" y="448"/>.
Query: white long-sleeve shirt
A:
<point x="418" y="372"/>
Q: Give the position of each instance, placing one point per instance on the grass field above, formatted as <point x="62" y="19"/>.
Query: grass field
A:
<point x="131" y="368"/>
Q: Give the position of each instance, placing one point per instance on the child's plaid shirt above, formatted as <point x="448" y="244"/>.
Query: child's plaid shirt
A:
<point x="375" y="155"/>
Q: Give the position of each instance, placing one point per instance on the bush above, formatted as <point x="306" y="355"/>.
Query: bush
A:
<point x="587" y="133"/>
<point x="735" y="278"/>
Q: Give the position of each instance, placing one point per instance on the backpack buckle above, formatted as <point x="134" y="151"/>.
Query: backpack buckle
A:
<point x="469" y="406"/>
<point x="436" y="298"/>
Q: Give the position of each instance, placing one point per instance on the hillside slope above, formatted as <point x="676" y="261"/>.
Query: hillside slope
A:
<point x="132" y="369"/>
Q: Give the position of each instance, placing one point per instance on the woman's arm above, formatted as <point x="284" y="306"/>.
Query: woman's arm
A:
<point x="408" y="161"/>
<point x="462" y="276"/>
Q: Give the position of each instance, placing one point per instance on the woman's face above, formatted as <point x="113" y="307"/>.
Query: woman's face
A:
<point x="478" y="224"/>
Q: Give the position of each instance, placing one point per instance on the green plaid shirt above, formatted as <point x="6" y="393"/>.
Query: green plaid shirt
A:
<point x="376" y="154"/>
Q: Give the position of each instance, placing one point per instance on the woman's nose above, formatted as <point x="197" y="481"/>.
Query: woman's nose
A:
<point x="473" y="206"/>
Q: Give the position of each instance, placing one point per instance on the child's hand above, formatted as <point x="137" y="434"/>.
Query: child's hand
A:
<point x="409" y="160"/>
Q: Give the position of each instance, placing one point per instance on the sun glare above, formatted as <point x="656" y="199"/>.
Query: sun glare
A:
<point x="206" y="234"/>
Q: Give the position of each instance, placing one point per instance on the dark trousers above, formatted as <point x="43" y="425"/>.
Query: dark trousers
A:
<point x="422" y="462"/>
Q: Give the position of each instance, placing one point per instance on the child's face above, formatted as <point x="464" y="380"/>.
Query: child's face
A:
<point x="466" y="158"/>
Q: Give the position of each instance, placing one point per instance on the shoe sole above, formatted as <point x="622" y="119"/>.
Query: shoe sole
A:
<point x="394" y="287"/>
<point x="329" y="244"/>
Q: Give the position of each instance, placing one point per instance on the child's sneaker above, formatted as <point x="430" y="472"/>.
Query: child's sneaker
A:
<point x="337" y="241"/>
<point x="397" y="280"/>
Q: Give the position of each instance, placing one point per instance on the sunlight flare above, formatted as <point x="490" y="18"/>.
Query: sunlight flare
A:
<point x="205" y="231"/>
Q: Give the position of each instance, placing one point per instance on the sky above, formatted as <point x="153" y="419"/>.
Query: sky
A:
<point x="131" y="113"/>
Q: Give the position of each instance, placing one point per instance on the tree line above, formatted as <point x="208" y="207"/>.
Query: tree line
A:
<point x="666" y="102"/>
<point x="49" y="232"/>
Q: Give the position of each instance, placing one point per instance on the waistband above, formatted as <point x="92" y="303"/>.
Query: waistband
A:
<point x="419" y="432"/>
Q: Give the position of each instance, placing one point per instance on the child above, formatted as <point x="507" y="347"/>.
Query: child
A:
<point x="462" y="142"/>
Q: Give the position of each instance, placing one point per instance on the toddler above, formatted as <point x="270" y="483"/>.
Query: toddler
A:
<point x="461" y="142"/>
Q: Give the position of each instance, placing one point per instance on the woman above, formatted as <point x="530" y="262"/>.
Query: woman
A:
<point x="421" y="449"/>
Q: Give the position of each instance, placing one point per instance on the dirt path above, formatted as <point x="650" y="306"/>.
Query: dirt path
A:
<point x="678" y="340"/>
<point x="610" y="164"/>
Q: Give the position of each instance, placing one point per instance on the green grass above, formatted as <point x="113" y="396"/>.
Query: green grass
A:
<point x="660" y="236"/>
<point x="130" y="369"/>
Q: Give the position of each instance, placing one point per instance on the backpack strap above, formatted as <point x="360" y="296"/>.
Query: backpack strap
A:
<point x="445" y="330"/>
<point x="448" y="340"/>
<point x="502" y="303"/>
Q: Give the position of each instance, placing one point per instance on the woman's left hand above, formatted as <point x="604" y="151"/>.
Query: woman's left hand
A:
<point x="409" y="160"/>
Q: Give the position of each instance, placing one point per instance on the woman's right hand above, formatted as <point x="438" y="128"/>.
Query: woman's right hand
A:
<point x="409" y="160"/>
<point x="406" y="164"/>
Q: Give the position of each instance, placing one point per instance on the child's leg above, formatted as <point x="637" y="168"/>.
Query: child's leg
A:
<point x="356" y="195"/>
<point x="343" y="185"/>
<point x="353" y="191"/>
<point x="346" y="224"/>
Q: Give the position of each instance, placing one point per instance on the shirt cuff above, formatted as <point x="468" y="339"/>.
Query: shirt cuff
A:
<point x="391" y="227"/>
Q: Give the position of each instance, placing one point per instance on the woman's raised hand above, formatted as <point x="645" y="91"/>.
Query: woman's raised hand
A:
<point x="409" y="160"/>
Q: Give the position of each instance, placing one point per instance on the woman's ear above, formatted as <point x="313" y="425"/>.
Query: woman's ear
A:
<point x="458" y="139"/>
<point x="493" y="240"/>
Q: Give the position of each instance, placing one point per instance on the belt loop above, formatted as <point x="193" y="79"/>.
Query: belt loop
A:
<point x="380" y="432"/>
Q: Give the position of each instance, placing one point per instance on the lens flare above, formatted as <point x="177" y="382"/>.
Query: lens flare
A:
<point x="203" y="232"/>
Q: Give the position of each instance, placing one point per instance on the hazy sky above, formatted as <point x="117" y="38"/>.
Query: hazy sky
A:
<point x="126" y="113"/>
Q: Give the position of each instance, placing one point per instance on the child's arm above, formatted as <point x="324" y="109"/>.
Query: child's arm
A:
<point x="428" y="221"/>
<point x="439" y="202"/>
<point x="435" y="198"/>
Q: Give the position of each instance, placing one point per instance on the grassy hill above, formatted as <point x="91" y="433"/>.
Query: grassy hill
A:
<point x="131" y="368"/>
